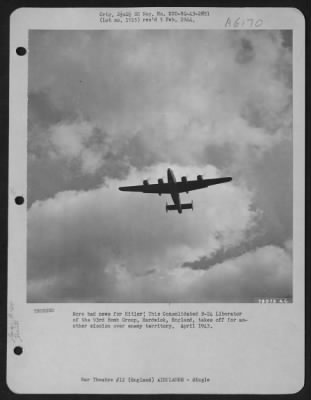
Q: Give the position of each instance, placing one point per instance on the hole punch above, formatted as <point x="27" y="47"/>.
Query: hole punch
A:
<point x="19" y="200"/>
<point x="18" y="350"/>
<point x="21" y="51"/>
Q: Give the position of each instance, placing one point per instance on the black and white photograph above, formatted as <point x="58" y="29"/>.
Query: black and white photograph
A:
<point x="156" y="201"/>
<point x="160" y="166"/>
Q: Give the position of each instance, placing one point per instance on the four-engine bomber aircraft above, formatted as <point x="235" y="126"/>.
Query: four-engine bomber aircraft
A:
<point x="174" y="188"/>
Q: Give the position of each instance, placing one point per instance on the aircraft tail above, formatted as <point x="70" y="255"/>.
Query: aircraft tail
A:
<point x="185" y="206"/>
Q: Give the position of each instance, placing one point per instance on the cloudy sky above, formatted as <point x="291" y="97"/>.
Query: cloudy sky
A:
<point x="111" y="108"/>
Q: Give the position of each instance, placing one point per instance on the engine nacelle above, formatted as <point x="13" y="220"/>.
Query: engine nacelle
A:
<point x="145" y="182"/>
<point x="200" y="178"/>
<point x="184" y="180"/>
<point x="160" y="182"/>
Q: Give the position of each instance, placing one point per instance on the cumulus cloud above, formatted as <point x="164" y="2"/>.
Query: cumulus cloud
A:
<point x="110" y="108"/>
<point x="90" y="238"/>
<point x="178" y="91"/>
<point x="80" y="141"/>
<point x="263" y="273"/>
<point x="88" y="252"/>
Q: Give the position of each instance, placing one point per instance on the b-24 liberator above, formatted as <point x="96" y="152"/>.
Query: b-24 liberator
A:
<point x="174" y="188"/>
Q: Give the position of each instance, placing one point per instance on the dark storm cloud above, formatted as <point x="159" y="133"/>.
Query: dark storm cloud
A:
<point x="48" y="175"/>
<point x="139" y="96"/>
<point x="258" y="114"/>
<point x="43" y="112"/>
<point x="119" y="102"/>
<point x="273" y="177"/>
<point x="219" y="256"/>
<point x="246" y="52"/>
<point x="262" y="272"/>
<point x="267" y="108"/>
<point x="287" y="36"/>
<point x="102" y="245"/>
<point x="148" y="272"/>
<point x="138" y="153"/>
<point x="45" y="178"/>
<point x="224" y="254"/>
<point x="222" y="156"/>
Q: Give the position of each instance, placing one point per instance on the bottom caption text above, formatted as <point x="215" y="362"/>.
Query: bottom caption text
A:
<point x="154" y="320"/>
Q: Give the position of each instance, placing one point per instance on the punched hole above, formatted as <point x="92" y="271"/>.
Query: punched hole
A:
<point x="19" y="200"/>
<point x="18" y="350"/>
<point x="20" y="51"/>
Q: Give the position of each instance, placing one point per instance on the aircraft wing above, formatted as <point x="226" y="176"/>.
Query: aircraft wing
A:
<point x="182" y="186"/>
<point x="157" y="188"/>
<point x="187" y="186"/>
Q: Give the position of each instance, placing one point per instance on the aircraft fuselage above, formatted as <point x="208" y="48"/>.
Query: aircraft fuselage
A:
<point x="174" y="193"/>
<point x="174" y="188"/>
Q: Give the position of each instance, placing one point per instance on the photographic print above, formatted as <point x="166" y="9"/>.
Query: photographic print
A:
<point x="141" y="108"/>
<point x="156" y="201"/>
